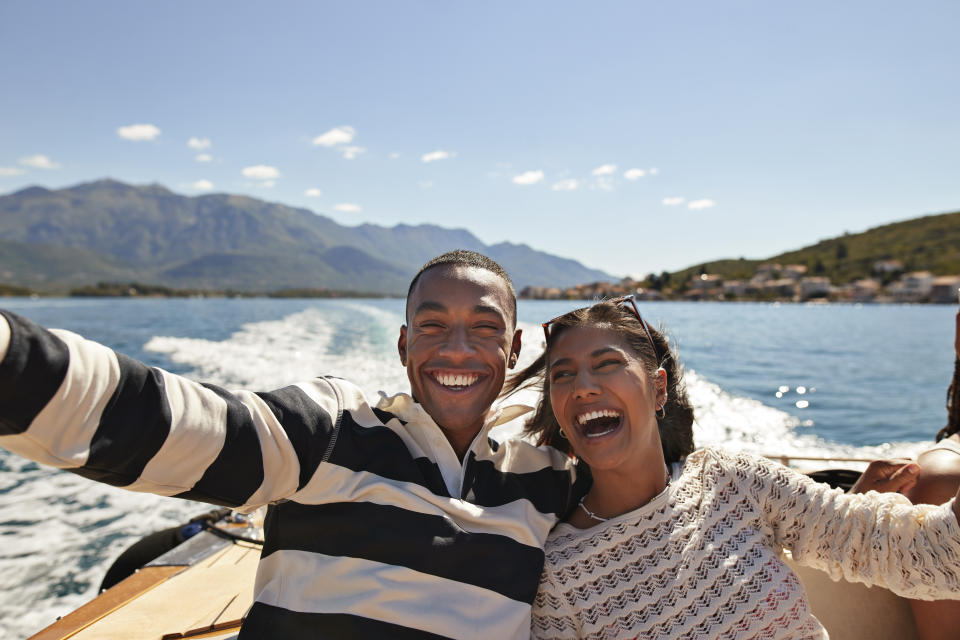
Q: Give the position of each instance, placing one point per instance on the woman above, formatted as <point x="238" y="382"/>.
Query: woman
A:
<point x="934" y="481"/>
<point x="660" y="549"/>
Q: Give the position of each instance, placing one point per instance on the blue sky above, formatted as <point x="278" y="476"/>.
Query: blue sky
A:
<point x="632" y="136"/>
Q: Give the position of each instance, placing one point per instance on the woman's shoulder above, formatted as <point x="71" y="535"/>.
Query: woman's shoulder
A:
<point x="725" y="459"/>
<point x="939" y="473"/>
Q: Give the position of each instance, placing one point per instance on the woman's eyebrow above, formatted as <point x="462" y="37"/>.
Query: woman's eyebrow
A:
<point x="603" y="350"/>
<point x="593" y="354"/>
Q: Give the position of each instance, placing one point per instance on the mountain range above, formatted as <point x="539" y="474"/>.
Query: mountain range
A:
<point x="52" y="240"/>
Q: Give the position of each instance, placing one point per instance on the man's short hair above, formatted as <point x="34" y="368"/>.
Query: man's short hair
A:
<point x="468" y="258"/>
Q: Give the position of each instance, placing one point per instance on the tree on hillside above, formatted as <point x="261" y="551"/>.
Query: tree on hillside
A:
<point x="841" y="250"/>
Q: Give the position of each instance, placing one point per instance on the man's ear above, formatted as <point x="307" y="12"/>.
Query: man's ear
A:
<point x="515" y="349"/>
<point x="402" y="345"/>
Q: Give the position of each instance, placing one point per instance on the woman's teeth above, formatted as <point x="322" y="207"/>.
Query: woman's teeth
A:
<point x="458" y="380"/>
<point x="595" y="424"/>
<point x="597" y="434"/>
<point x="593" y="415"/>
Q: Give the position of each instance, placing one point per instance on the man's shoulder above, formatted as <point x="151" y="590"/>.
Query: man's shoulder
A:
<point x="347" y="394"/>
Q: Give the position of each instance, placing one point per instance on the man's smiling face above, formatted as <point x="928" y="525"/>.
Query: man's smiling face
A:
<point x="457" y="345"/>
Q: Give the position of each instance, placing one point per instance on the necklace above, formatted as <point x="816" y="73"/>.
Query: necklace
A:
<point x="590" y="514"/>
<point x="593" y="516"/>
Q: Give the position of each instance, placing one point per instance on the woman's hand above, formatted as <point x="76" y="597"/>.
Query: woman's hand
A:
<point x="897" y="476"/>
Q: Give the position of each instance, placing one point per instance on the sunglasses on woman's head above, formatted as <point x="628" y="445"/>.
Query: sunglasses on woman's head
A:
<point x="622" y="300"/>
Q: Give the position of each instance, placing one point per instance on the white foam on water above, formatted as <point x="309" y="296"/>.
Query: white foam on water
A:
<point x="271" y="354"/>
<point x="60" y="534"/>
<point x="744" y="424"/>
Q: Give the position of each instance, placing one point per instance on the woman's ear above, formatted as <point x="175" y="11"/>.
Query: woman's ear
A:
<point x="660" y="384"/>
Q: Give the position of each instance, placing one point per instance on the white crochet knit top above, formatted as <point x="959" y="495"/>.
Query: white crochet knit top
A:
<point x="702" y="559"/>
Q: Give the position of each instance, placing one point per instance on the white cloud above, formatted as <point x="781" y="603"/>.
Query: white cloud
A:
<point x="351" y="152"/>
<point x="11" y="171"/>
<point x="569" y="184"/>
<point x="528" y="177"/>
<point x="705" y="203"/>
<point x="39" y="161"/>
<point x="199" y="143"/>
<point x="604" y="183"/>
<point x="634" y="174"/>
<point x="654" y="171"/>
<point x="439" y="154"/>
<point x="605" y="170"/>
<point x="267" y="184"/>
<point x="337" y="135"/>
<point x="394" y="155"/>
<point x="672" y="202"/>
<point x="138" y="132"/>
<point x="261" y="172"/>
<point x="425" y="184"/>
<point x="347" y="207"/>
<point x="204" y="157"/>
<point x="313" y="193"/>
<point x="202" y="185"/>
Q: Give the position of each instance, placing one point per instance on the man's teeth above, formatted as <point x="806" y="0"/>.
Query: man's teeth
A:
<point x="459" y="380"/>
<point x="593" y="415"/>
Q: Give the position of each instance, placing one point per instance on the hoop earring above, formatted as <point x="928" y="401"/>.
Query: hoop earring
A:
<point x="662" y="411"/>
<point x="562" y="434"/>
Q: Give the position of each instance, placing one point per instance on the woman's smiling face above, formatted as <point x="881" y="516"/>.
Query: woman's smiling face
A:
<point x="604" y="399"/>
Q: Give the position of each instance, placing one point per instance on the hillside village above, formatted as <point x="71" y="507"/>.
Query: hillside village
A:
<point x="772" y="282"/>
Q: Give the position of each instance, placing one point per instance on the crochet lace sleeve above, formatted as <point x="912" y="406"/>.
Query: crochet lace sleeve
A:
<point x="874" y="538"/>
<point x="552" y="617"/>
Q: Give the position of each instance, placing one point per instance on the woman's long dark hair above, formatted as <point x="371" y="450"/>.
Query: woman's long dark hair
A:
<point x="953" y="405"/>
<point x="676" y="428"/>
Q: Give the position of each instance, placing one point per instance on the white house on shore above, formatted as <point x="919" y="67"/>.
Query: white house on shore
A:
<point x="814" y="287"/>
<point x="912" y="287"/>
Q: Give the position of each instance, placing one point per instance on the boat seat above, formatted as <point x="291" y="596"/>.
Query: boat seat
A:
<point x="854" y="611"/>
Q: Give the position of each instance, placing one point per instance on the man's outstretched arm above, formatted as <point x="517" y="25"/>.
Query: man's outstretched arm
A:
<point x="78" y="405"/>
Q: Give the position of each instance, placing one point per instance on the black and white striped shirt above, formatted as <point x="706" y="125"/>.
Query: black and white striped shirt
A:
<point x="375" y="528"/>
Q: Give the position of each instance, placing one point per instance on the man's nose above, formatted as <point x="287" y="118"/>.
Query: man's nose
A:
<point x="458" y="343"/>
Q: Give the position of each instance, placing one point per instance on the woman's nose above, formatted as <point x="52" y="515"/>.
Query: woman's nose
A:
<point x="585" y="385"/>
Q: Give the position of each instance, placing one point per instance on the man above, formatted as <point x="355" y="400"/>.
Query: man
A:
<point x="399" y="519"/>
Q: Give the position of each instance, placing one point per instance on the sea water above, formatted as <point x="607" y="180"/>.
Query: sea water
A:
<point x="819" y="380"/>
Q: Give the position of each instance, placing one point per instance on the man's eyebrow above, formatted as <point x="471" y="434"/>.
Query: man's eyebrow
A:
<point x="428" y="305"/>
<point x="486" y="308"/>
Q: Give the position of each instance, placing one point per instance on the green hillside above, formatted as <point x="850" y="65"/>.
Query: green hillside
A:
<point x="930" y="243"/>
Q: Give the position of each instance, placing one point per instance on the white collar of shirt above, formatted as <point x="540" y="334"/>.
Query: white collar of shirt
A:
<point x="405" y="408"/>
